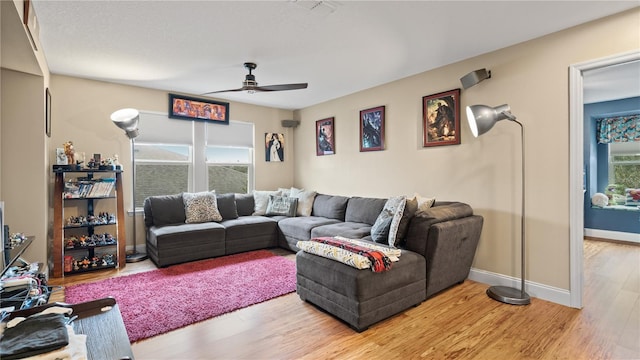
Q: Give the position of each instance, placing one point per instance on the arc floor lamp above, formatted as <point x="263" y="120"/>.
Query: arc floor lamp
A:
<point x="481" y="119"/>
<point x="127" y="120"/>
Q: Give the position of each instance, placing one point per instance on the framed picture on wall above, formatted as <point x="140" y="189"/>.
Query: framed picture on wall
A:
<point x="325" y="137"/>
<point x="441" y="118"/>
<point x="47" y="114"/>
<point x="274" y="147"/>
<point x="372" y="129"/>
<point x="191" y="108"/>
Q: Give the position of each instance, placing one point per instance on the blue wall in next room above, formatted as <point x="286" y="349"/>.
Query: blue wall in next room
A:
<point x="596" y="176"/>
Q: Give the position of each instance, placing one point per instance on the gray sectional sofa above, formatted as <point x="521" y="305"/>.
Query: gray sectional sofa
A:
<point x="437" y="249"/>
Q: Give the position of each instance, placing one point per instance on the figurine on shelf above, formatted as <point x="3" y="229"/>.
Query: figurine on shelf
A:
<point x="116" y="162"/>
<point x="70" y="152"/>
<point x="85" y="263"/>
<point x="109" y="259"/>
<point x="94" y="261"/>
<point x="71" y="242"/>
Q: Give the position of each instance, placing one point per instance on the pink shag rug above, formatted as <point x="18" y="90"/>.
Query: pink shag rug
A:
<point x="166" y="299"/>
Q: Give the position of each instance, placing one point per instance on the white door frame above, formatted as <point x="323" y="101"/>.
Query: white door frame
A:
<point x="576" y="166"/>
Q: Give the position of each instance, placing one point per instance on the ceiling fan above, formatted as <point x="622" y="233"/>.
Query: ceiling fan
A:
<point x="251" y="85"/>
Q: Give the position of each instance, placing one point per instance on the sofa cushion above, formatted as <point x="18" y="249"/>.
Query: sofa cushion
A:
<point x="281" y="205"/>
<point x="244" y="204"/>
<point x="299" y="228"/>
<point x="349" y="230"/>
<point x="166" y="209"/>
<point x="397" y="205"/>
<point x="305" y="200"/>
<point x="200" y="207"/>
<point x="410" y="208"/>
<point x="261" y="200"/>
<point x="227" y="206"/>
<point x="364" y="210"/>
<point x="332" y="207"/>
<point x="424" y="203"/>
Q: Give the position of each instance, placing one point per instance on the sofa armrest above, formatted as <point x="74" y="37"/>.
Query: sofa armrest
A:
<point x="418" y="230"/>
<point x="451" y="247"/>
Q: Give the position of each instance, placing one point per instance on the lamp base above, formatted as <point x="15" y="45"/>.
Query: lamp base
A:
<point x="509" y="295"/>
<point x="136" y="257"/>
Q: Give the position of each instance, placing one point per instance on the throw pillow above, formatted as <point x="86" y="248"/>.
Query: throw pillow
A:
<point x="382" y="227"/>
<point x="424" y="203"/>
<point x="282" y="205"/>
<point x="261" y="200"/>
<point x="305" y="200"/>
<point x="200" y="207"/>
<point x="284" y="191"/>
<point x="410" y="209"/>
<point x="399" y="203"/>
<point x="632" y="197"/>
<point x="227" y="206"/>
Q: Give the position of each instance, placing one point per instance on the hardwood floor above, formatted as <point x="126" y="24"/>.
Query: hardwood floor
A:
<point x="461" y="323"/>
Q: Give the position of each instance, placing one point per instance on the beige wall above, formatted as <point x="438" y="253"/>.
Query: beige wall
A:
<point x="81" y="113"/>
<point x="532" y="78"/>
<point x="23" y="143"/>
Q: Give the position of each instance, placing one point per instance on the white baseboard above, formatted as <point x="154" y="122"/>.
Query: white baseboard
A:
<point x="612" y="235"/>
<point x="540" y="291"/>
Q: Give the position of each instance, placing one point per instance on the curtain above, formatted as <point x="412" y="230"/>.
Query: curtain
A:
<point x="618" y="129"/>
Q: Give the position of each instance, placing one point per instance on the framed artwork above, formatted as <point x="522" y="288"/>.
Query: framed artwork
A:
<point x="47" y="116"/>
<point x="274" y="147"/>
<point x="441" y="118"/>
<point x="190" y="108"/>
<point x="325" y="137"/>
<point x="372" y="129"/>
<point x="30" y="21"/>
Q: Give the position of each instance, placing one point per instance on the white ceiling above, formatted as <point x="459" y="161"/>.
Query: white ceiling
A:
<point x="338" y="47"/>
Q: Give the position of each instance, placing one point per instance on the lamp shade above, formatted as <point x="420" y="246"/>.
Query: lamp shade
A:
<point x="481" y="118"/>
<point x="127" y="120"/>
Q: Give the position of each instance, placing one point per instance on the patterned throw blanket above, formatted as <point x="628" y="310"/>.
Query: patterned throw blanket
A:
<point x="355" y="253"/>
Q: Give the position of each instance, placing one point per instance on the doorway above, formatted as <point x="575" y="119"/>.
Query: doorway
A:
<point x="576" y="166"/>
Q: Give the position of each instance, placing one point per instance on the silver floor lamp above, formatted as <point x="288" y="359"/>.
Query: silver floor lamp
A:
<point x="481" y="119"/>
<point x="127" y="120"/>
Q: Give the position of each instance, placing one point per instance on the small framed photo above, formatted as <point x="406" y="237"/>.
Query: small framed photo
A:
<point x="190" y="108"/>
<point x="47" y="114"/>
<point x="274" y="147"/>
<point x="441" y="118"/>
<point x="325" y="137"/>
<point x="372" y="129"/>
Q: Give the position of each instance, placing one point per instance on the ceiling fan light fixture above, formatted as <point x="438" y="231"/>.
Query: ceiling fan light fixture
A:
<point x="250" y="85"/>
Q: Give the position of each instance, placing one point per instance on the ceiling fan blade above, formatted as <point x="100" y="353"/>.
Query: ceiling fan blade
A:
<point x="282" y="87"/>
<point x="221" y="91"/>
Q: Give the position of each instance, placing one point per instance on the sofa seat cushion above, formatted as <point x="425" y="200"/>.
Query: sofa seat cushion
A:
<point x="361" y="297"/>
<point x="248" y="233"/>
<point x="299" y="228"/>
<point x="174" y="244"/>
<point x="351" y="230"/>
<point x="361" y="284"/>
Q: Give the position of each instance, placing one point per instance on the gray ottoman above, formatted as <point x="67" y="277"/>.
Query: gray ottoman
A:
<point x="361" y="297"/>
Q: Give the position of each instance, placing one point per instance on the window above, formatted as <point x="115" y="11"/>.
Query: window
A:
<point x="174" y="156"/>
<point x="229" y="169"/>
<point x="624" y="164"/>
<point x="161" y="169"/>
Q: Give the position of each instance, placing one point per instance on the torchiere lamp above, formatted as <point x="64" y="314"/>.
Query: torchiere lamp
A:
<point x="481" y="119"/>
<point x="127" y="120"/>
